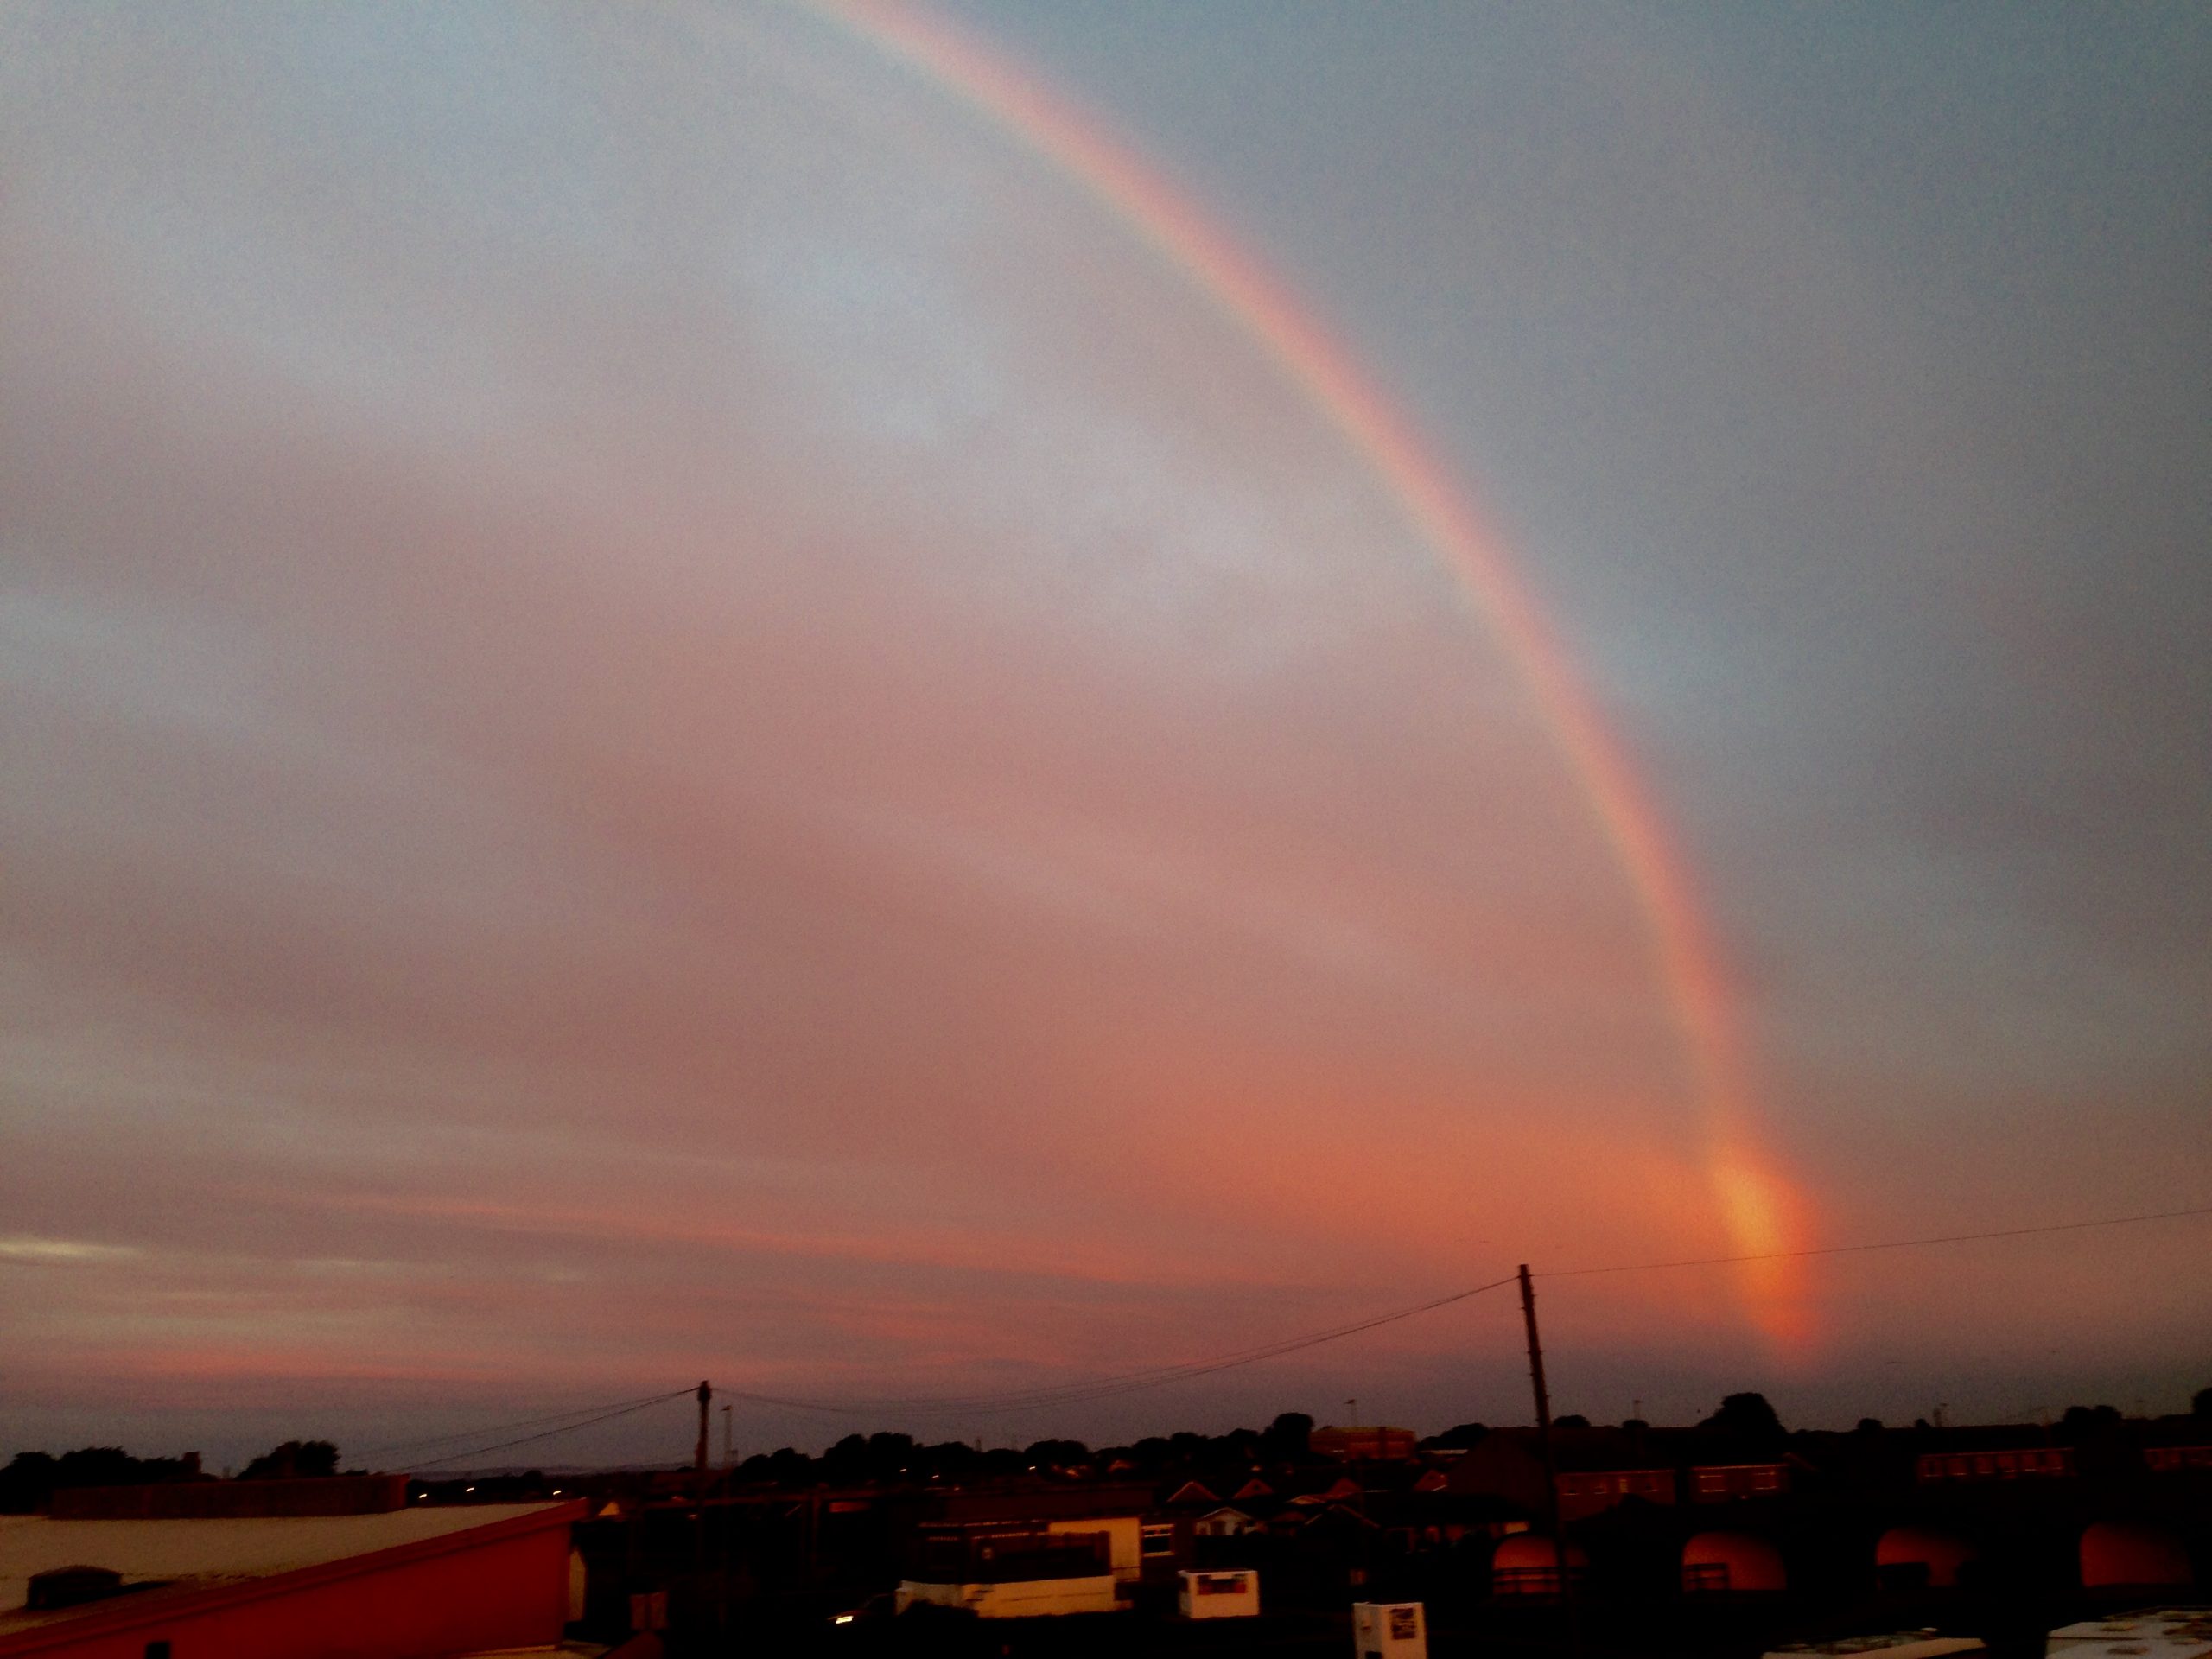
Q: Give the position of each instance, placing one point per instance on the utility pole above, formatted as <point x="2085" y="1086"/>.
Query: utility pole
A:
<point x="699" y="1499"/>
<point x="699" y="1454"/>
<point x="729" y="1441"/>
<point x="1544" y="1447"/>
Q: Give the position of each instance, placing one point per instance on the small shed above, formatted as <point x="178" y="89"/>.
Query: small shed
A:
<point x="1390" y="1630"/>
<point x="1233" y="1593"/>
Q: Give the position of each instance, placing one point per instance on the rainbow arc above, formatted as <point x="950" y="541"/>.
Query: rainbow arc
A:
<point x="1760" y="1211"/>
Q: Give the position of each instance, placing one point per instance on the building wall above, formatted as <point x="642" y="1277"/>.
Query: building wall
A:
<point x="1124" y="1541"/>
<point x="1363" y="1444"/>
<point x="506" y="1592"/>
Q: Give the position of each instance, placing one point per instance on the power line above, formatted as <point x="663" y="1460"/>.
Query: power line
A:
<point x="1886" y="1245"/>
<point x="1122" y="1383"/>
<point x="477" y="1451"/>
<point x="1155" y="1377"/>
<point x="501" y="1428"/>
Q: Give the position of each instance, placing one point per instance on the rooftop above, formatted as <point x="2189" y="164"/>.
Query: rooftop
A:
<point x="198" y="1554"/>
<point x="2160" y="1633"/>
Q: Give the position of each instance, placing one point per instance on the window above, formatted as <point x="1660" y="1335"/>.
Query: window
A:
<point x="1158" y="1539"/>
<point x="1220" y="1584"/>
<point x="1766" y="1480"/>
<point x="1704" y="1578"/>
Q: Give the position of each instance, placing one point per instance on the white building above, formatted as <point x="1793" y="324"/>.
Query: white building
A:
<point x="1018" y="1570"/>
<point x="1013" y="1597"/>
<point x="1390" y="1630"/>
<point x="1234" y="1594"/>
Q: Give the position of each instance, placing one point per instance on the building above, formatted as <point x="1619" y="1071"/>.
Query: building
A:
<point x="1584" y="1493"/>
<point x="116" y="1576"/>
<point x="1732" y="1564"/>
<point x="1997" y="1462"/>
<point x="1351" y="1445"/>
<point x="1115" y="1512"/>
<point x="1011" y="1570"/>
<point x="1234" y="1594"/>
<point x="1390" y="1630"/>
<point x="1597" y="1469"/>
<point x="1720" y="1483"/>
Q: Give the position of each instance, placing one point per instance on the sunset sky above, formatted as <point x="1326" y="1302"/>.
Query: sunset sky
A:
<point x="904" y="703"/>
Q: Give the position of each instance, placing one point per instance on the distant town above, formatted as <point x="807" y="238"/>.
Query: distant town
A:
<point x="1732" y="1535"/>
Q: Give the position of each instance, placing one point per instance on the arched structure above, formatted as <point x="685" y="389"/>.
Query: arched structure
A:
<point x="1731" y="1563"/>
<point x="1526" y="1564"/>
<point x="1921" y="1558"/>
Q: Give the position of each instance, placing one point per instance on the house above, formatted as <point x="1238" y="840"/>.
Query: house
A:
<point x="1352" y="1445"/>
<point x="1998" y="1463"/>
<point x="2176" y="1446"/>
<point x="1227" y="1522"/>
<point x="119" y="1576"/>
<point x="1584" y="1493"/>
<point x="1596" y="1470"/>
<point x="1718" y="1482"/>
<point x="2172" y="1460"/>
<point x="1117" y="1513"/>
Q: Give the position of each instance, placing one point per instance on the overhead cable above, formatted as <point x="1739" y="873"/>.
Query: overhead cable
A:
<point x="483" y="1429"/>
<point x="547" y="1435"/>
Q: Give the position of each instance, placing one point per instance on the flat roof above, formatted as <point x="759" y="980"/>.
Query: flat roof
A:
<point x="2168" y="1632"/>
<point x="202" y="1553"/>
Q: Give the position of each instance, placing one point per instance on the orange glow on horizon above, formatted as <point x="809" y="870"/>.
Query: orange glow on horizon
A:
<point x="1759" y="1206"/>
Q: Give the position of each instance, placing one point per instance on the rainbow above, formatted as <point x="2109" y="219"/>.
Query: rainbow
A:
<point x="1759" y="1208"/>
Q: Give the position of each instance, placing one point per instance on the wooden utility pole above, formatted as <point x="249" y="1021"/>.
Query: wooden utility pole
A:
<point x="699" y="1454"/>
<point x="699" y="1508"/>
<point x="1544" y="1448"/>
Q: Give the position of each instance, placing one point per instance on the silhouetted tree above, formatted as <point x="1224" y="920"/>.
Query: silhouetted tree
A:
<point x="2201" y="1405"/>
<point x="1463" y="1436"/>
<point x="31" y="1479"/>
<point x="1868" y="1425"/>
<point x="783" y="1467"/>
<point x="1057" y="1454"/>
<point x="2080" y="1423"/>
<point x="294" y="1460"/>
<point x="1289" y="1437"/>
<point x="1747" y="1417"/>
<point x="1571" y="1420"/>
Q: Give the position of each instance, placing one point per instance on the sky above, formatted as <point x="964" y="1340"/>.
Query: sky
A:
<point x="680" y="699"/>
